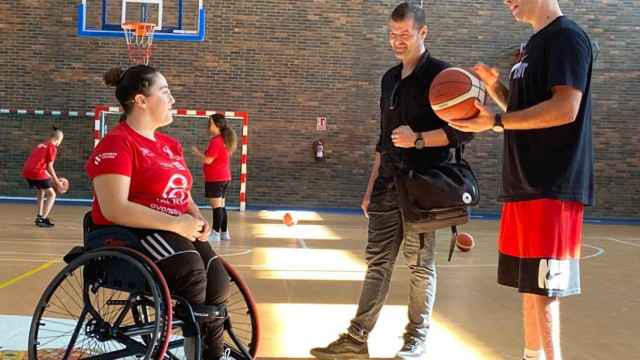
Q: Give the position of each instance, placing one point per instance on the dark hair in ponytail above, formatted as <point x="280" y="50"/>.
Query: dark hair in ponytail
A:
<point x="137" y="79"/>
<point x="228" y="134"/>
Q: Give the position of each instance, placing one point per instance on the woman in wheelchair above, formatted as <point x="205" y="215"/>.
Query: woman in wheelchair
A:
<point x="141" y="182"/>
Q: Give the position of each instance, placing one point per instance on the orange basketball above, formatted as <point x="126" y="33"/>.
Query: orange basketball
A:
<point x="63" y="186"/>
<point x="453" y="92"/>
<point x="288" y="219"/>
<point x="465" y="242"/>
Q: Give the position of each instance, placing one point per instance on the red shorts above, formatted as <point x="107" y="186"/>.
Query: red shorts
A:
<point x="539" y="245"/>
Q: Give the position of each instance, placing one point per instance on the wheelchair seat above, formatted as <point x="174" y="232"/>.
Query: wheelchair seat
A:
<point x="99" y="237"/>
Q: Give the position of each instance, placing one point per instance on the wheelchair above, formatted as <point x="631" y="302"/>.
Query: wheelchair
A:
<point x="112" y="302"/>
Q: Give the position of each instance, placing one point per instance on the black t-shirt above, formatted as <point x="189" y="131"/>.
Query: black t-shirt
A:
<point x="555" y="162"/>
<point x="406" y="102"/>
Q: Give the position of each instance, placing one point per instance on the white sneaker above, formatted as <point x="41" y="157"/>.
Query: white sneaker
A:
<point x="225" y="235"/>
<point x="214" y="236"/>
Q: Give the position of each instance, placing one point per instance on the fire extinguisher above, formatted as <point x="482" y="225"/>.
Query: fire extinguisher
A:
<point x="318" y="150"/>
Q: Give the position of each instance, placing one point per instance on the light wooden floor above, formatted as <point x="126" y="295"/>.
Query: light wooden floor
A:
<point x="307" y="279"/>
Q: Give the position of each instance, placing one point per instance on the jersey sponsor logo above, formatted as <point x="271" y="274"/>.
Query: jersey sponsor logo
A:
<point x="179" y="165"/>
<point x="172" y="165"/>
<point x="104" y="156"/>
<point x="176" y="189"/>
<point x="165" y="209"/>
<point x="554" y="274"/>
<point x="146" y="152"/>
<point x="517" y="71"/>
<point x="170" y="153"/>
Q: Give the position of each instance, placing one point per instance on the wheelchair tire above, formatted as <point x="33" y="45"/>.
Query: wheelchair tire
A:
<point x="242" y="329"/>
<point x="78" y="316"/>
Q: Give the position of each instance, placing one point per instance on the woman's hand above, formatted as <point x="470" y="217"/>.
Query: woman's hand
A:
<point x="206" y="231"/>
<point x="189" y="227"/>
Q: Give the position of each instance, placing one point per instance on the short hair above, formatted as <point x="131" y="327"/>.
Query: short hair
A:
<point x="405" y="11"/>
<point x="55" y="132"/>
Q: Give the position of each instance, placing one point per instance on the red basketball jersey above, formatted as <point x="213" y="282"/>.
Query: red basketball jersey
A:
<point x="36" y="164"/>
<point x="219" y="169"/>
<point x="159" y="175"/>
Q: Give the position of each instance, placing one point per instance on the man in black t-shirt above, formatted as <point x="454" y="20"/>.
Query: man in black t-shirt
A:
<point x="411" y="137"/>
<point x="547" y="175"/>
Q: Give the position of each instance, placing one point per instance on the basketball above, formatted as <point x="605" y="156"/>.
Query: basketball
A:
<point x="465" y="242"/>
<point x="63" y="187"/>
<point x="288" y="219"/>
<point x="453" y="92"/>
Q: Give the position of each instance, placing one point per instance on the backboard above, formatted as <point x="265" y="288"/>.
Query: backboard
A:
<point x="177" y="20"/>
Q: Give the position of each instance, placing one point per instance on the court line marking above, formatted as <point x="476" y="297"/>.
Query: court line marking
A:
<point x="27" y="274"/>
<point x="30" y="260"/>
<point x="44" y="241"/>
<point x="27" y="253"/>
<point x="398" y="267"/>
<point x="599" y="251"/>
<point x="235" y="254"/>
<point x="622" y="241"/>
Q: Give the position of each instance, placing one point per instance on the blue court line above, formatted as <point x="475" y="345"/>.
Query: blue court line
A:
<point x="348" y="211"/>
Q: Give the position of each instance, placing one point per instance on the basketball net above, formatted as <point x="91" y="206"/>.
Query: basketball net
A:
<point x="139" y="38"/>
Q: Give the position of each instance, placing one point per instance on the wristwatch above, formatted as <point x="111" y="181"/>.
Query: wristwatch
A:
<point x="419" y="141"/>
<point x="497" y="124"/>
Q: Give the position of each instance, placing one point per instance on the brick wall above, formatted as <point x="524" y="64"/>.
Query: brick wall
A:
<point x="287" y="62"/>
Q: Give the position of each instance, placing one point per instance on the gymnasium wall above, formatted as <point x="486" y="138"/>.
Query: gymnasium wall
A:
<point x="288" y="62"/>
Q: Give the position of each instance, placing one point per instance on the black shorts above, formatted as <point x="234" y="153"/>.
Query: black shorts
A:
<point x="40" y="184"/>
<point x="215" y="189"/>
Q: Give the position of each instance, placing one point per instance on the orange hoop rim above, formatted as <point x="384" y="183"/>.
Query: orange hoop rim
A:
<point x="141" y="28"/>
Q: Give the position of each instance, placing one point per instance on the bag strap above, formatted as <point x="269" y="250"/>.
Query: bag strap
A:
<point x="459" y="151"/>
<point x="452" y="242"/>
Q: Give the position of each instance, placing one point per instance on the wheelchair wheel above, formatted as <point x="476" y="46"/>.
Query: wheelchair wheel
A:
<point x="242" y="330"/>
<point x="105" y="304"/>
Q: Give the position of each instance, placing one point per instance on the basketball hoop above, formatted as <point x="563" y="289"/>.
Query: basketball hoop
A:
<point x="139" y="37"/>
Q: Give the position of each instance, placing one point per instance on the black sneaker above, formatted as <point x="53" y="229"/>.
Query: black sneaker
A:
<point x="48" y="222"/>
<point x="40" y="222"/>
<point x="346" y="347"/>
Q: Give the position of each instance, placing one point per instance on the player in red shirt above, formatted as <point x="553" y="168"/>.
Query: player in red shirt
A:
<point x="142" y="183"/>
<point x="39" y="172"/>
<point x="217" y="174"/>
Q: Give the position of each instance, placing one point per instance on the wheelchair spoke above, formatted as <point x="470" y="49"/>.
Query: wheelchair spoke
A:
<point x="123" y="312"/>
<point x="74" y="336"/>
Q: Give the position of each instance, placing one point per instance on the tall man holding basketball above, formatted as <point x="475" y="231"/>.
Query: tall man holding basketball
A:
<point x="413" y="137"/>
<point x="547" y="169"/>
